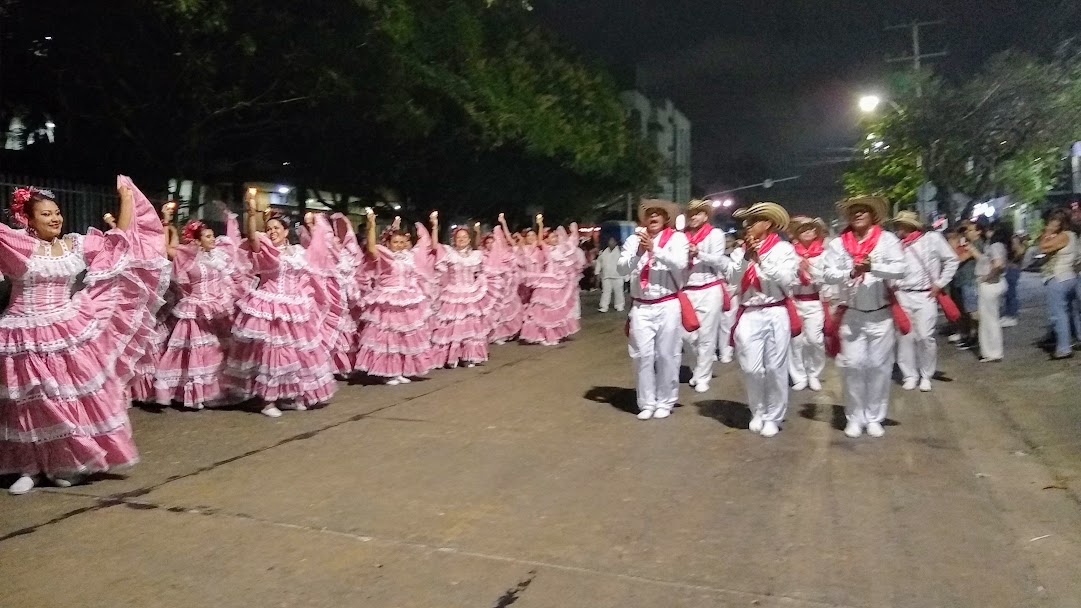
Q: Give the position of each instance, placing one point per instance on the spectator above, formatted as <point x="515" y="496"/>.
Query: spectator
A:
<point x="963" y="289"/>
<point x="1059" y="244"/>
<point x="990" y="265"/>
<point x="1014" y="260"/>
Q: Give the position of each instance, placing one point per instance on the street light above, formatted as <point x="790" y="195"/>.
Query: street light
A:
<point x="869" y="103"/>
<point x="728" y="203"/>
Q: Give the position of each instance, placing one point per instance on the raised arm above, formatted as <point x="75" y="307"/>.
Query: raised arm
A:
<point x="127" y="208"/>
<point x="503" y="223"/>
<point x="372" y="243"/>
<point x="250" y="225"/>
<point x="434" y="219"/>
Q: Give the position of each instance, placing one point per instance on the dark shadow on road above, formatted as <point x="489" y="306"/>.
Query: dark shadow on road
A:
<point x="685" y="374"/>
<point x="837" y="414"/>
<point x="616" y="396"/>
<point x="732" y="414"/>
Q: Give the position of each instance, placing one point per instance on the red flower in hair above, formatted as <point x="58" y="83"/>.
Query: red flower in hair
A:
<point x="192" y="230"/>
<point x="19" y="198"/>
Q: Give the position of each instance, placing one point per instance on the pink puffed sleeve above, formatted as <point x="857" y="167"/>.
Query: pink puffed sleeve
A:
<point x="16" y="247"/>
<point x="145" y="232"/>
<point x="106" y="254"/>
<point x="320" y="257"/>
<point x="422" y="253"/>
<point x="343" y="229"/>
<point x="267" y="259"/>
<point x="304" y="236"/>
<point x="182" y="263"/>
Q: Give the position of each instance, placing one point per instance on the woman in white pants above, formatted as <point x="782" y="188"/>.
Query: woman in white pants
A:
<point x="766" y="267"/>
<point x="807" y="353"/>
<point x="990" y="264"/>
<point x="725" y="351"/>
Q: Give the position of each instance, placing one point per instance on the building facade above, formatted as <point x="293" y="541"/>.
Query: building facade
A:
<point x="666" y="128"/>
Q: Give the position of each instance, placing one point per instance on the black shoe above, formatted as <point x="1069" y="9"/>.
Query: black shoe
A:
<point x="966" y="344"/>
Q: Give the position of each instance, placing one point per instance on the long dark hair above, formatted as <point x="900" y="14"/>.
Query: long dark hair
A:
<point x="1000" y="233"/>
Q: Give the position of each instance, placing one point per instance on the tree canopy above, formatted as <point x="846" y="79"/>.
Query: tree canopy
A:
<point x="460" y="104"/>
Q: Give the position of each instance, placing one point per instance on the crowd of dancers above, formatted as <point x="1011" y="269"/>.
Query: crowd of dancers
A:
<point x="198" y="319"/>
<point x="784" y="300"/>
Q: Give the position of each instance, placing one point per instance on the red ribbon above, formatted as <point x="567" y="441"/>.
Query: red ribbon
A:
<point x="665" y="235"/>
<point x="816" y="249"/>
<point x="911" y="238"/>
<point x="751" y="276"/>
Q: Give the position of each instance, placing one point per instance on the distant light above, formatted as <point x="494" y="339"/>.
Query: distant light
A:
<point x="878" y="144"/>
<point x="984" y="209"/>
<point x="869" y="103"/>
<point x="283" y="189"/>
<point x="252" y="191"/>
<point x="681" y="221"/>
<point x="48" y="37"/>
<point x="395" y="206"/>
<point x="715" y="204"/>
<point x="50" y="124"/>
<point x="728" y="203"/>
<point x="286" y="164"/>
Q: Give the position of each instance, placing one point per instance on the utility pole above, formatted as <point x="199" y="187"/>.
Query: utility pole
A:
<point x="917" y="55"/>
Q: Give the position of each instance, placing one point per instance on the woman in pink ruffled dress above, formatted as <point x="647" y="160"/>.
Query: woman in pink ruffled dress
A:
<point x="549" y="315"/>
<point x="345" y="293"/>
<point x="63" y="411"/>
<point x="156" y="261"/>
<point x="395" y="343"/>
<point x="507" y="316"/>
<point x="462" y="323"/>
<point x="278" y="352"/>
<point x="206" y="277"/>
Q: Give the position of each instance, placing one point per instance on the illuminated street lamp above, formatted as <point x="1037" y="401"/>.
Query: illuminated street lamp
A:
<point x="869" y="103"/>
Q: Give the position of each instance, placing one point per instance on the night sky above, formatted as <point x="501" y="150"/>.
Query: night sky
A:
<point x="770" y="86"/>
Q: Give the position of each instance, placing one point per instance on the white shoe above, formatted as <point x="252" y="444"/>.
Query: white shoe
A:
<point x="661" y="413"/>
<point x="701" y="387"/>
<point x="852" y="429"/>
<point x="500" y="342"/>
<point x="756" y="424"/>
<point x="799" y="386"/>
<point x="619" y="310"/>
<point x="726" y="358"/>
<point x="814" y="384"/>
<point x="298" y="407"/>
<point x="199" y="406"/>
<point x="769" y="428"/>
<point x="272" y="411"/>
<point x="67" y="482"/>
<point x="394" y="381"/>
<point x="925" y="385"/>
<point x="22" y="485"/>
<point x="910" y="384"/>
<point x="692" y="382"/>
<point x="645" y="414"/>
<point x="403" y="380"/>
<point x="470" y="364"/>
<point x="602" y="310"/>
<point x="1008" y="322"/>
<point x="954" y="338"/>
<point x="875" y="429"/>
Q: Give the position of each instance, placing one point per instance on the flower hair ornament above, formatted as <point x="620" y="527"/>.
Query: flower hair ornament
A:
<point x="192" y="230"/>
<point x="20" y="197"/>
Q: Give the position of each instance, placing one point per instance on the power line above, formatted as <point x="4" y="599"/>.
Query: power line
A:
<point x="917" y="55"/>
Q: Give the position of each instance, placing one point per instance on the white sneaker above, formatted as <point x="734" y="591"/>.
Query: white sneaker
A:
<point x="954" y="338"/>
<point x="403" y="380"/>
<point x="1008" y="322"/>
<point x="910" y="384"/>
<point x="925" y="385"/>
<point x="272" y="411"/>
<point x="814" y="384"/>
<point x="692" y="382"/>
<point x="645" y="414"/>
<point x="799" y="386"/>
<point x="701" y="387"/>
<point x="67" y="482"/>
<point x="619" y="310"/>
<point x="875" y="429"/>
<point x="602" y="310"/>
<point x="756" y="424"/>
<point x="726" y="358"/>
<point x="470" y="364"/>
<point x="298" y="407"/>
<point x="500" y="342"/>
<point x="769" y="428"/>
<point x="22" y="485"/>
<point x="852" y="429"/>
<point x="394" y="381"/>
<point x="661" y="413"/>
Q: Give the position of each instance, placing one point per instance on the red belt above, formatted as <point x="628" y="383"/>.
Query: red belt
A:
<point x="667" y="298"/>
<point x="794" y="321"/>
<point x="807" y="297"/>
<point x="706" y="286"/>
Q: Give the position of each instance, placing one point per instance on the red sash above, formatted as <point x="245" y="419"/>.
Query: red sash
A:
<point x="807" y="253"/>
<point x="697" y="238"/>
<point x="666" y="235"/>
<point x="750" y="278"/>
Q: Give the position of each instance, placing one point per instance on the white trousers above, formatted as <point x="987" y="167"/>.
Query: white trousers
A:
<point x="702" y="344"/>
<point x="807" y="356"/>
<point x="655" y="341"/>
<point x="990" y="332"/>
<point x="762" y="340"/>
<point x="917" y="352"/>
<point x="724" y="328"/>
<point x="612" y="288"/>
<point x="866" y="362"/>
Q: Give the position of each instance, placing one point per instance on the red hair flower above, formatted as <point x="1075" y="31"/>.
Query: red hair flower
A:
<point x="192" y="230"/>
<point x="19" y="198"/>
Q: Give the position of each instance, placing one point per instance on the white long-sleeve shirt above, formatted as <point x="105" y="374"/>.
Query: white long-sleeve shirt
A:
<point x="711" y="263"/>
<point x="818" y="265"/>
<point x="929" y="260"/>
<point x="669" y="263"/>
<point x="776" y="270"/>
<point x="607" y="264"/>
<point x="870" y="291"/>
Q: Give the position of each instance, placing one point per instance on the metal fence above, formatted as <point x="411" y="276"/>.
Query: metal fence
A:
<point x="82" y="205"/>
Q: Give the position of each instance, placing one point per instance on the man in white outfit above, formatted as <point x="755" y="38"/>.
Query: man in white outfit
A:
<point x="807" y="358"/>
<point x="930" y="264"/>
<point x="655" y="258"/>
<point x="860" y="262"/>
<point x="704" y="288"/>
<point x="607" y="269"/>
<point x="765" y="269"/>
<point x="725" y="351"/>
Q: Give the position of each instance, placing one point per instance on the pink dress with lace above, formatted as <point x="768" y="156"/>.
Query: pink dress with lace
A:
<point x="550" y="315"/>
<point x="278" y="350"/>
<point x="461" y="325"/>
<point x="395" y="340"/>
<point x="508" y="311"/>
<point x="190" y="369"/>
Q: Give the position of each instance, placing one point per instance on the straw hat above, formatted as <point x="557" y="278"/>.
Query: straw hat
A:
<point x="772" y="212"/>
<point x="698" y="205"/>
<point x="879" y="206"/>
<point x="668" y="207"/>
<point x="803" y="222"/>
<point x="909" y="218"/>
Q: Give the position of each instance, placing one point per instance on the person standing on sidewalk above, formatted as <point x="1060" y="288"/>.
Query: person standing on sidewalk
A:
<point x="1059" y="244"/>
<point x="705" y="289"/>
<point x="990" y="265"/>
<point x="1011" y="305"/>
<point x="607" y="270"/>
<point x="655" y="259"/>
<point x="765" y="269"/>
<point x="861" y="261"/>
<point x="930" y="265"/>
<point x="807" y="353"/>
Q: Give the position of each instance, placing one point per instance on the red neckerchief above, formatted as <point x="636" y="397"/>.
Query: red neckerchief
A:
<point x="860" y="249"/>
<point x="665" y="235"/>
<point x="807" y="253"/>
<point x="751" y="276"/>
<point x="911" y="238"/>
<point x="698" y="237"/>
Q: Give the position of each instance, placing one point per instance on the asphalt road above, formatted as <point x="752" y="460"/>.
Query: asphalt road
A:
<point x="529" y="482"/>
